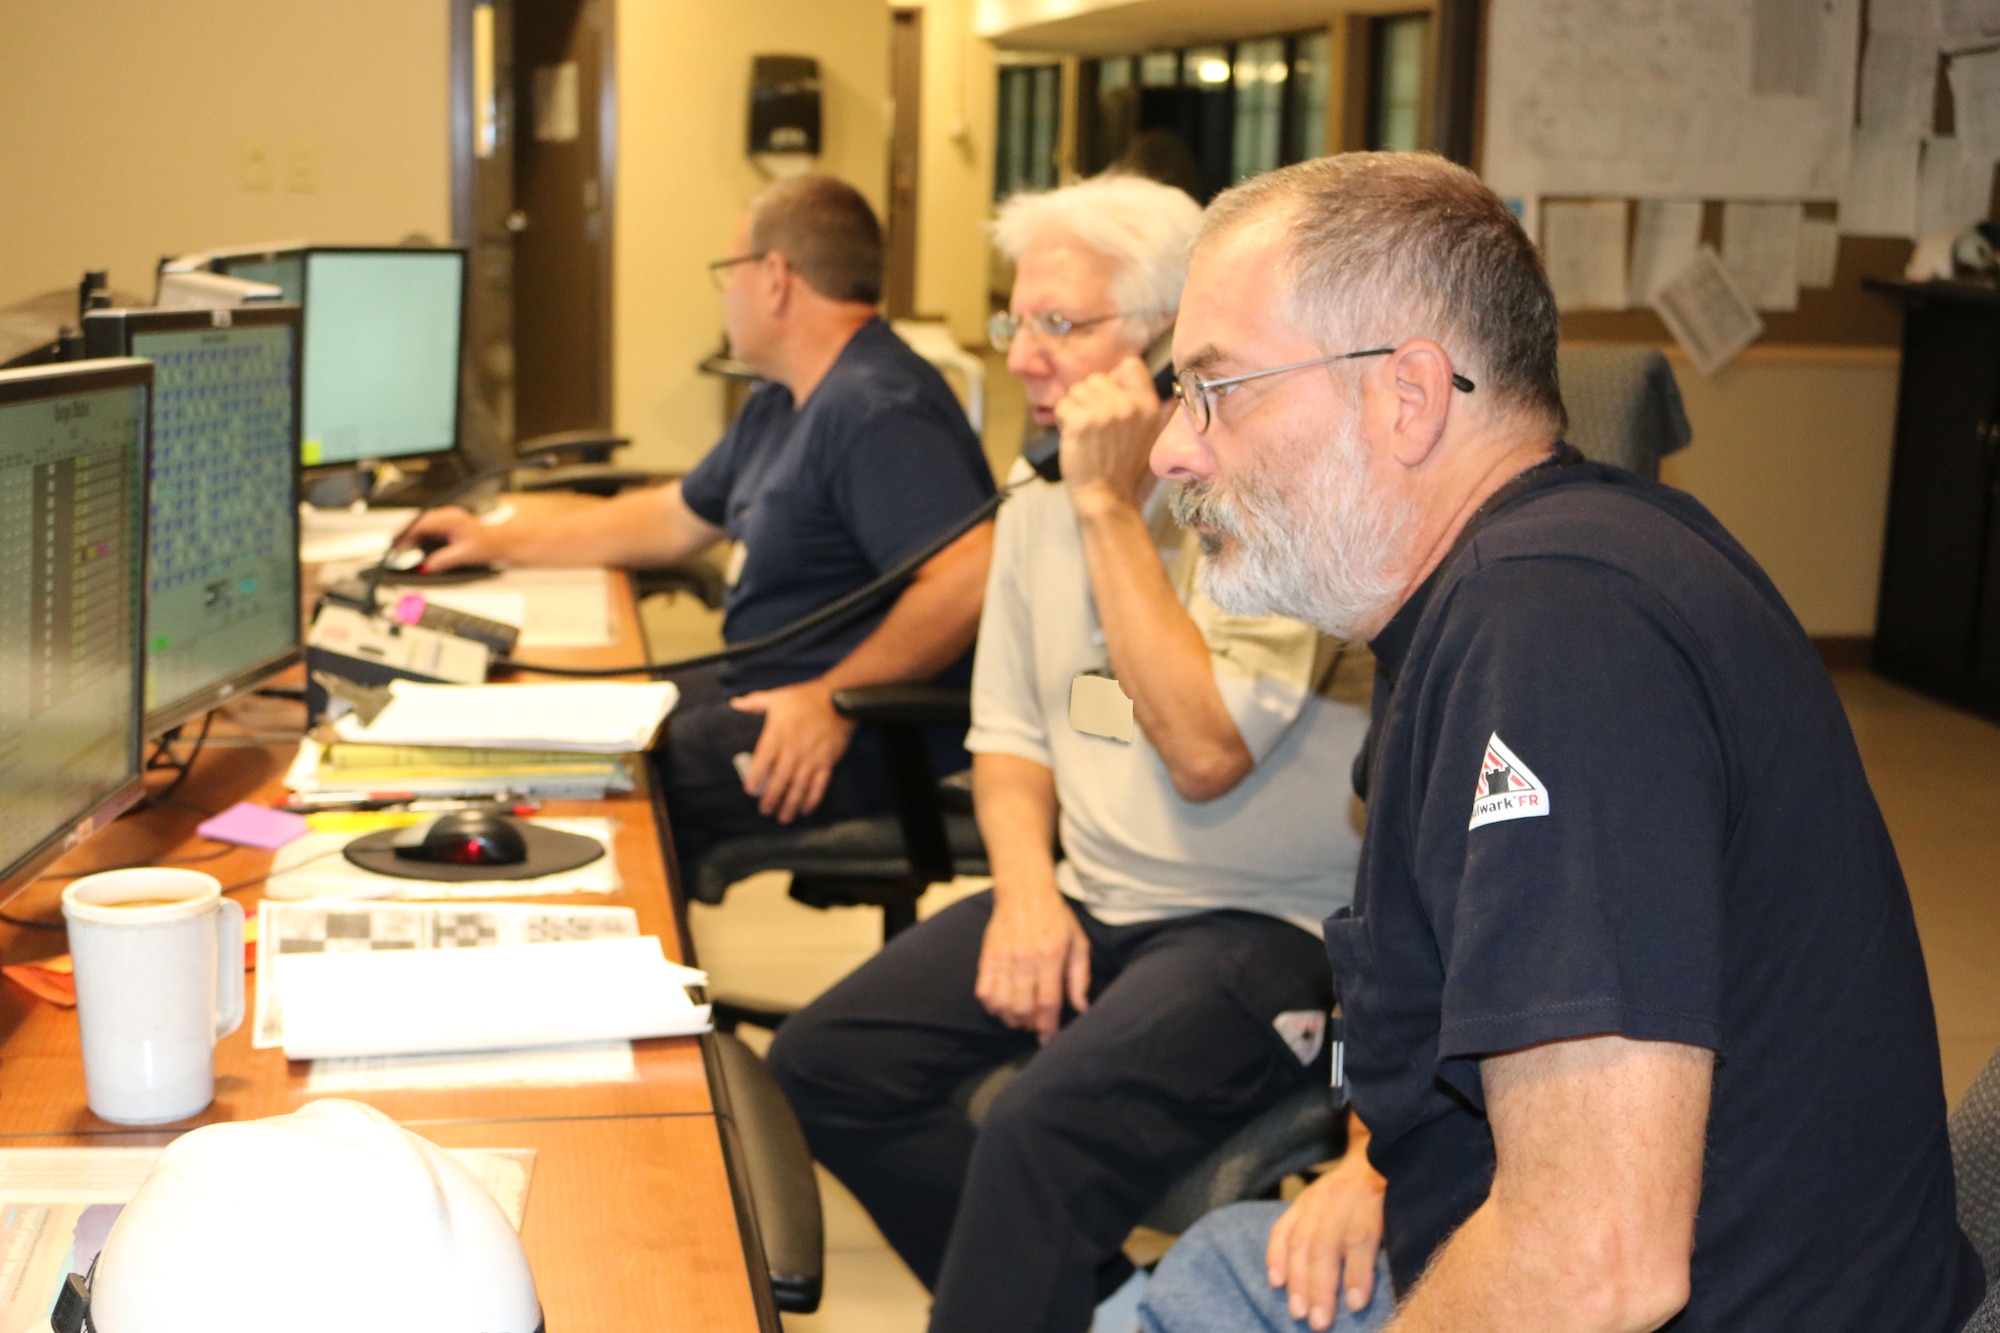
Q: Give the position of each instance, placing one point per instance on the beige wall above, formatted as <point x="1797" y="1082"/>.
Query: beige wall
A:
<point x="955" y="171"/>
<point x="1791" y="451"/>
<point x="124" y="125"/>
<point x="683" y="178"/>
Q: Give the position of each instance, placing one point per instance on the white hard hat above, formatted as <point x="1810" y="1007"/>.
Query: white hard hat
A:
<point x="333" y="1218"/>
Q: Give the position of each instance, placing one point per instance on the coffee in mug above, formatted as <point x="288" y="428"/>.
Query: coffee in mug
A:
<point x="158" y="954"/>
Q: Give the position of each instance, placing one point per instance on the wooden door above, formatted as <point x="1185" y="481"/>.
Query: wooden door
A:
<point x="906" y="70"/>
<point x="563" y="142"/>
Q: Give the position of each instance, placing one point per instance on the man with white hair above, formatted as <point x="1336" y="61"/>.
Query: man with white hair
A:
<point x="1165" y="961"/>
<point x="1635" y="1004"/>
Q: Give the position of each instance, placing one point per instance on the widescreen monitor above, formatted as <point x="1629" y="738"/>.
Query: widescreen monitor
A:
<point x="383" y="331"/>
<point x="72" y="543"/>
<point x="222" y="570"/>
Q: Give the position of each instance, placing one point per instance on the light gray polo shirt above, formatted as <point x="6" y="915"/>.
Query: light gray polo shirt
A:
<point x="1284" y="841"/>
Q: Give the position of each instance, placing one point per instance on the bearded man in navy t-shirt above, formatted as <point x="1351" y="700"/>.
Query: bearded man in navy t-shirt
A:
<point x="1635" y="1006"/>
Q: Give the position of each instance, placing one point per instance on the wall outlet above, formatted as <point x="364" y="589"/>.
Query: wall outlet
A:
<point x="256" y="165"/>
<point x="302" y="167"/>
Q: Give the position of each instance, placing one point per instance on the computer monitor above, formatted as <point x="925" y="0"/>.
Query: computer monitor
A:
<point x="72" y="541"/>
<point x="384" y="327"/>
<point x="222" y="571"/>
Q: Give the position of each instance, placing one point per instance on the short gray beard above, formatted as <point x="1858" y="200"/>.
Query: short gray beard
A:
<point x="1315" y="546"/>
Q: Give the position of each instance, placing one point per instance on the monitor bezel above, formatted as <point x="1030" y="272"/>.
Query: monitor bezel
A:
<point x="221" y="260"/>
<point x="100" y="329"/>
<point x="65" y="380"/>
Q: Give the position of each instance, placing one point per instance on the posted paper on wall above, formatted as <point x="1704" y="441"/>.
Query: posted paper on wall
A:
<point x="1954" y="187"/>
<point x="1819" y="252"/>
<point x="1583" y="247"/>
<point x="1665" y="236"/>
<point x="1706" y="313"/>
<point x="1760" y="246"/>
<point x="1880" y="197"/>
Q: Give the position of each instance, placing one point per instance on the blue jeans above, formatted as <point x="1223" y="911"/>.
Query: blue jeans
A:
<point x="1213" y="1281"/>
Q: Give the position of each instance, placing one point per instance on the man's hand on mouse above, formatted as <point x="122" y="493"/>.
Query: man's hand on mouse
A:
<point x="451" y="537"/>
<point x="1109" y="422"/>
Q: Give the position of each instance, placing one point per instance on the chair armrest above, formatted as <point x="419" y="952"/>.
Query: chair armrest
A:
<point x="593" y="446"/>
<point x="778" y="1170"/>
<point x="913" y="705"/>
<point x="589" y="478"/>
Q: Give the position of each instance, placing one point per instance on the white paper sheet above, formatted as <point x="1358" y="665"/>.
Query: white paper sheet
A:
<point x="545" y="1067"/>
<point x="509" y="996"/>
<point x="1899" y="82"/>
<point x="1914" y="16"/>
<point x="1583" y="248"/>
<point x="566" y="608"/>
<point x="1954" y="188"/>
<point x="1658" y="100"/>
<point x="1819" y="252"/>
<point x="290" y="929"/>
<point x="1880" y="197"/>
<point x="598" y="717"/>
<point x="1665" y="236"/>
<point x="1705" y="312"/>
<point x="327" y="535"/>
<point x="1975" y="92"/>
<point x="1969" y="23"/>
<point x="1760" y="246"/>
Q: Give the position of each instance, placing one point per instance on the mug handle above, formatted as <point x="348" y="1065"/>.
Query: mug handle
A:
<point x="228" y="968"/>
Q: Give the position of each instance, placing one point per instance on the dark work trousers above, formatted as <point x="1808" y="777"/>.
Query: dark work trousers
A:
<point x="706" y="803"/>
<point x="1016" y="1226"/>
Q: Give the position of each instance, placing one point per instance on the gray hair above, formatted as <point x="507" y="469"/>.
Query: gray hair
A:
<point x="1143" y="227"/>
<point x="1384" y="247"/>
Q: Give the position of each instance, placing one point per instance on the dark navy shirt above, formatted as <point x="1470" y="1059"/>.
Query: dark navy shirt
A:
<point x="821" y="499"/>
<point x="1612" y="791"/>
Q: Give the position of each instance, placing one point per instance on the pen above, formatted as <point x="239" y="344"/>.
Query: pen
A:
<point x="508" y="804"/>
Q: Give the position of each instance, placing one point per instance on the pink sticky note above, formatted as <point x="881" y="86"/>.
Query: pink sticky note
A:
<point x="253" y="826"/>
<point x="409" y="608"/>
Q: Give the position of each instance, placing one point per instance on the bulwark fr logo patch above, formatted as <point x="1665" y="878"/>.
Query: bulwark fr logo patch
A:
<point x="1508" y="788"/>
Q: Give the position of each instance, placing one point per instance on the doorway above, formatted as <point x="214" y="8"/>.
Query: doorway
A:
<point x="533" y="159"/>
<point x="906" y="85"/>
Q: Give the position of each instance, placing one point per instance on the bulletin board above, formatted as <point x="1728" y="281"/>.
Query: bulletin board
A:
<point x="1808" y="142"/>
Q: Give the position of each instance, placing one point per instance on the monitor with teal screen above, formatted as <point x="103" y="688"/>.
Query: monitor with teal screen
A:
<point x="383" y="331"/>
<point x="72" y="533"/>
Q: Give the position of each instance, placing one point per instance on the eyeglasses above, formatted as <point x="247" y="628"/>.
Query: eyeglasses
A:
<point x="718" y="269"/>
<point x="1198" y="396"/>
<point x="1005" y="324"/>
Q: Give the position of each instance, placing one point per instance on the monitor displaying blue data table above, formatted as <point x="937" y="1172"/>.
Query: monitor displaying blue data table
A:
<point x="222" y="570"/>
<point x="384" y="332"/>
<point x="72" y="546"/>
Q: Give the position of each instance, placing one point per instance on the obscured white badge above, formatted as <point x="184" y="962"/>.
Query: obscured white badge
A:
<point x="1097" y="707"/>
<point x="738" y="553"/>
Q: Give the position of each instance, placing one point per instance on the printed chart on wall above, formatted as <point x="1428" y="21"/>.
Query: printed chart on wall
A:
<point x="1705" y="99"/>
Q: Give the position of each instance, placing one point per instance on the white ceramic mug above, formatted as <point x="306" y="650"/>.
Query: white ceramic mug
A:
<point x="159" y="980"/>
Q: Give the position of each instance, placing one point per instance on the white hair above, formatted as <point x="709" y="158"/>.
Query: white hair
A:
<point x="1143" y="227"/>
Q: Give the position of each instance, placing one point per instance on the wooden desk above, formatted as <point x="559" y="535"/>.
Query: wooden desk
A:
<point x="634" y="1217"/>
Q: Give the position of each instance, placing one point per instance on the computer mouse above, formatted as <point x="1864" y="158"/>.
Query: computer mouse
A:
<point x="464" y="838"/>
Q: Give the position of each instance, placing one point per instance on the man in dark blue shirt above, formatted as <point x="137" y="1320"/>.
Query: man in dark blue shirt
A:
<point x="1635" y="1006"/>
<point x="850" y="458"/>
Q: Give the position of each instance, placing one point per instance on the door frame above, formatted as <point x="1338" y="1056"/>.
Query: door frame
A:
<point x="463" y="121"/>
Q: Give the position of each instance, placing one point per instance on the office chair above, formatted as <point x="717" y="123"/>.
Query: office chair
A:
<point x="886" y="861"/>
<point x="1624" y="405"/>
<point x="1975" y="1160"/>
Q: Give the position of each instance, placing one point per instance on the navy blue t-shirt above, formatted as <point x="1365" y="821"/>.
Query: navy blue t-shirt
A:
<point x="879" y="462"/>
<point x="1612" y="791"/>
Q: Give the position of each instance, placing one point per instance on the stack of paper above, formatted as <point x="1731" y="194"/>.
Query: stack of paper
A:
<point x="434" y="770"/>
<point x="407" y="1002"/>
<point x="599" y="717"/>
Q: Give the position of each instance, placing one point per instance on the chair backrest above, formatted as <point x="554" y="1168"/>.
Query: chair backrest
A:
<point x="1624" y="406"/>
<point x="1975" y="1160"/>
